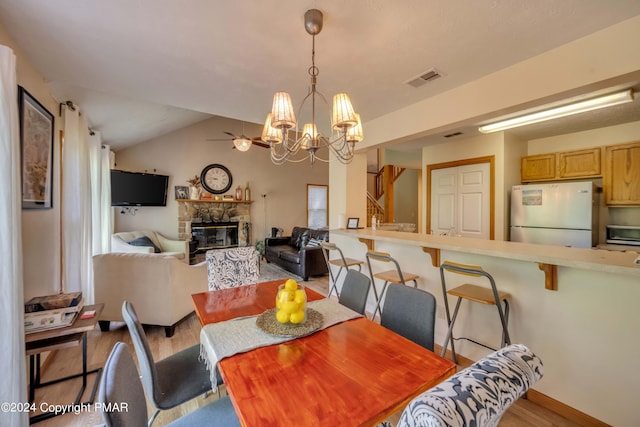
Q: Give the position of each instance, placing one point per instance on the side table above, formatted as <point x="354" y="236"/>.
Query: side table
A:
<point x="56" y="339"/>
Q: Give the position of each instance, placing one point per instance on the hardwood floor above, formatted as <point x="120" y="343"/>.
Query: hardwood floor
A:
<point x="68" y="361"/>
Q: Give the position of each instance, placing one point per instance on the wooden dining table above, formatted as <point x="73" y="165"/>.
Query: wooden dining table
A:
<point x="354" y="373"/>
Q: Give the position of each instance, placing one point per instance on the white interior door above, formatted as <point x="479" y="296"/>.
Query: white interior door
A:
<point x="460" y="201"/>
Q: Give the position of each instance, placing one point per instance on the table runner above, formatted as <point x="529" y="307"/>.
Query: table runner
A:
<point x="224" y="339"/>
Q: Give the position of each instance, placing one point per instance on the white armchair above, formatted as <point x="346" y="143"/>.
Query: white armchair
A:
<point x="133" y="242"/>
<point x="159" y="287"/>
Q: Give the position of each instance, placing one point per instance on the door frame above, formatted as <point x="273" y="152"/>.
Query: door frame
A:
<point x="476" y="160"/>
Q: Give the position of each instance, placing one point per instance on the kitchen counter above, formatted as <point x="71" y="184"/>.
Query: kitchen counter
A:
<point x="575" y="308"/>
<point x="546" y="256"/>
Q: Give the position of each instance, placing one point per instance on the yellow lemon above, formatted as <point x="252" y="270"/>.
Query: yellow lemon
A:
<point x="300" y="296"/>
<point x="291" y="285"/>
<point x="285" y="295"/>
<point x="297" y="317"/>
<point x="290" y="306"/>
<point x="282" y="316"/>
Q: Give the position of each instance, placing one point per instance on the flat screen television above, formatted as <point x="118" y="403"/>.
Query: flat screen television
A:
<point x="138" y="189"/>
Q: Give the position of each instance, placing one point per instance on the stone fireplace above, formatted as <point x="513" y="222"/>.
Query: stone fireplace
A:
<point x="199" y="215"/>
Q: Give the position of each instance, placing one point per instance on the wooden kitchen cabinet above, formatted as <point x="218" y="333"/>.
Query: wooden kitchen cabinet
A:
<point x="622" y="174"/>
<point x="580" y="164"/>
<point x="566" y="165"/>
<point x="541" y="167"/>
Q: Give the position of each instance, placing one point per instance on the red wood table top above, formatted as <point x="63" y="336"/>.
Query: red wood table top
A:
<point x="355" y="373"/>
<point x="249" y="300"/>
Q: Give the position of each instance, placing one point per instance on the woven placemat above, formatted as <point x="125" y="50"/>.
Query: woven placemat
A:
<point x="267" y="322"/>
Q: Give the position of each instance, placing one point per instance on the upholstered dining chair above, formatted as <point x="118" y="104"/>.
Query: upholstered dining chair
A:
<point x="231" y="267"/>
<point x="172" y="380"/>
<point x="355" y="290"/>
<point x="121" y="384"/>
<point x="410" y="312"/>
<point x="478" y="395"/>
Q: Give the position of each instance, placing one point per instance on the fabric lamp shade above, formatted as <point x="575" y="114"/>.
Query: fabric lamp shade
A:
<point x="269" y="133"/>
<point x="310" y="135"/>
<point x="282" y="115"/>
<point x="343" y="116"/>
<point x="354" y="134"/>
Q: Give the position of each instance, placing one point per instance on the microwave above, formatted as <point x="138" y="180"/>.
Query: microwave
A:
<point x="623" y="234"/>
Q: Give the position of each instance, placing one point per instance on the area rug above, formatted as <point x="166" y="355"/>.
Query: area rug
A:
<point x="269" y="271"/>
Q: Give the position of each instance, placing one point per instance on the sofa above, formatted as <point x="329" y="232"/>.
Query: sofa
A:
<point x="159" y="287"/>
<point x="149" y="242"/>
<point x="300" y="253"/>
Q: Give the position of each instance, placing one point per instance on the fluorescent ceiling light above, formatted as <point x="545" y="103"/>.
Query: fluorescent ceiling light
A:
<point x="565" y="110"/>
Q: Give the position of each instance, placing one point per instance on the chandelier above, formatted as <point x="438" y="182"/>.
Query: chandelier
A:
<point x="287" y="144"/>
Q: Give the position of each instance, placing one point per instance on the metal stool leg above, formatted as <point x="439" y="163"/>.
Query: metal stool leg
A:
<point x="377" y="309"/>
<point x="506" y="339"/>
<point x="450" y="334"/>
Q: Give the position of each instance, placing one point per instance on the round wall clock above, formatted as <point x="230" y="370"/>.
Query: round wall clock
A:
<point x="216" y="179"/>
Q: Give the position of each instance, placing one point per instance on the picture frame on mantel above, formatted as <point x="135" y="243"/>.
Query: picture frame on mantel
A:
<point x="36" y="144"/>
<point x="181" y="192"/>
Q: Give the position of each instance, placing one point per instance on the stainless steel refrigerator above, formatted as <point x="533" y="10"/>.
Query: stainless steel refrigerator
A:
<point x="563" y="214"/>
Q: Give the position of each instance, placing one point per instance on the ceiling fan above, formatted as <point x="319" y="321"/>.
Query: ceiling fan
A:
<point x="242" y="142"/>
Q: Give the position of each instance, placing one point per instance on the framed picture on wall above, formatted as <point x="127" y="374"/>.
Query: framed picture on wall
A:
<point x="36" y="143"/>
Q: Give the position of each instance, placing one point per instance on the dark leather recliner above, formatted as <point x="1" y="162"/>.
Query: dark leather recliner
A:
<point x="299" y="253"/>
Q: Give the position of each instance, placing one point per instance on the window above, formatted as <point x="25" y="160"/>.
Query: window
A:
<point x="317" y="202"/>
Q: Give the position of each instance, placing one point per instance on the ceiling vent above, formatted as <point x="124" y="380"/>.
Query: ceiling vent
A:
<point x="424" y="78"/>
<point x="451" y="135"/>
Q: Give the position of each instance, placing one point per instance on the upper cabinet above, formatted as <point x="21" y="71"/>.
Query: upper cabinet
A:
<point x="580" y="164"/>
<point x="622" y="174"/>
<point x="538" y="168"/>
<point x="567" y="165"/>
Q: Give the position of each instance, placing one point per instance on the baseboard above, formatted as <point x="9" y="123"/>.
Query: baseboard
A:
<point x="564" y="410"/>
<point x="538" y="398"/>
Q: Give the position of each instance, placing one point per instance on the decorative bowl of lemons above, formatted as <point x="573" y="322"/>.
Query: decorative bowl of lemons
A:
<point x="291" y="303"/>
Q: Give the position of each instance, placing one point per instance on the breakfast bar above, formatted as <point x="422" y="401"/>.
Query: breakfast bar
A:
<point x="576" y="308"/>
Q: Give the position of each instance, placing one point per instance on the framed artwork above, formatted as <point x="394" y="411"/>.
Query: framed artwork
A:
<point x="36" y="143"/>
<point x="182" y="192"/>
<point x="352" y="223"/>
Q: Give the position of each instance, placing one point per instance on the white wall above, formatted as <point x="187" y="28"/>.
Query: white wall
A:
<point x="184" y="153"/>
<point x="40" y="227"/>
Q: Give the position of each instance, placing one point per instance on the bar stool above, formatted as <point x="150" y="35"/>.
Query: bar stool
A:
<point x="474" y="293"/>
<point x="389" y="276"/>
<point x="342" y="262"/>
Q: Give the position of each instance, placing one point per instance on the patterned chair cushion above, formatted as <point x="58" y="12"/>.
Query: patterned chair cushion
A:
<point x="231" y="267"/>
<point x="477" y="395"/>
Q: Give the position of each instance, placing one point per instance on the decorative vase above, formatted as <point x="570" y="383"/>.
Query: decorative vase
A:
<point x="239" y="193"/>
<point x="194" y="193"/>
<point x="247" y="193"/>
<point x="291" y="303"/>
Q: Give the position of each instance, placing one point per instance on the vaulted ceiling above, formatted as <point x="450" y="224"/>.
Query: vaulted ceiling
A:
<point x="139" y="69"/>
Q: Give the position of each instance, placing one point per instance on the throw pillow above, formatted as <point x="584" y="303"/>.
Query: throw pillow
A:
<point x="145" y="241"/>
<point x="314" y="242"/>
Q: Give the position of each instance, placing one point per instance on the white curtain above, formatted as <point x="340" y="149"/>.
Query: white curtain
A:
<point x="12" y="359"/>
<point x="101" y="218"/>
<point x="76" y="205"/>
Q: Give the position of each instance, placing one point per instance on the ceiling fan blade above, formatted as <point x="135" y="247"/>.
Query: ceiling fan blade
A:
<point x="231" y="135"/>
<point x="218" y="139"/>
<point x="260" y="144"/>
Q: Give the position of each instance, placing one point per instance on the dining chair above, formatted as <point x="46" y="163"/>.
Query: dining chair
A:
<point x="341" y="262"/>
<point x="478" y="395"/>
<point x="120" y="386"/>
<point x="395" y="275"/>
<point x="355" y="290"/>
<point x="410" y="312"/>
<point x="231" y="267"/>
<point x="172" y="380"/>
